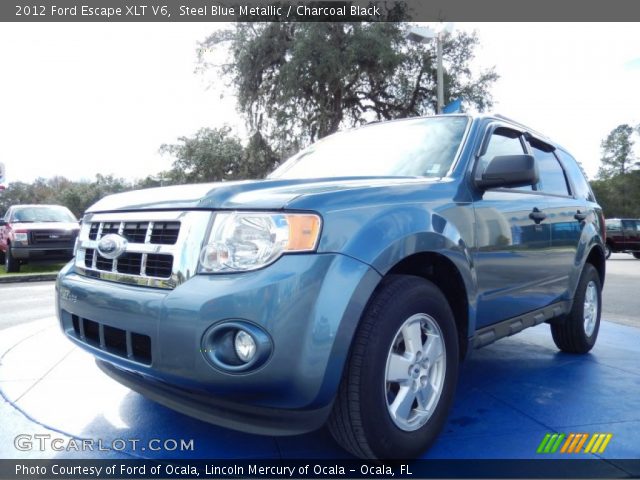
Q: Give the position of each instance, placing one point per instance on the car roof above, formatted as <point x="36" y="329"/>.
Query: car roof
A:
<point x="487" y="116"/>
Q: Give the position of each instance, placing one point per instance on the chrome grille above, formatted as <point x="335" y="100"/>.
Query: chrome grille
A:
<point x="48" y="237"/>
<point x="162" y="247"/>
<point x="162" y="233"/>
<point x="165" y="233"/>
<point x="136" y="232"/>
<point x="156" y="265"/>
<point x="107" y="228"/>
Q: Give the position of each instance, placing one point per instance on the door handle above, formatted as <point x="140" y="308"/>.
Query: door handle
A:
<point x="580" y="216"/>
<point x="537" y="215"/>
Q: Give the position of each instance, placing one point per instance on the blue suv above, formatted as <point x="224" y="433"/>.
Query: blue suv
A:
<point x="346" y="288"/>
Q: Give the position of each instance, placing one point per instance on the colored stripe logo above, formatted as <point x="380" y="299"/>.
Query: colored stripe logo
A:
<point x="574" y="443"/>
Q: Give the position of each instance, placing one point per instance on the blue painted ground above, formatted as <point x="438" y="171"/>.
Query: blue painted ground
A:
<point x="509" y="396"/>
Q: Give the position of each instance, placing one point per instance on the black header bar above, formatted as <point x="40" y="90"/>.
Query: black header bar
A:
<point x="316" y="469"/>
<point x="315" y="11"/>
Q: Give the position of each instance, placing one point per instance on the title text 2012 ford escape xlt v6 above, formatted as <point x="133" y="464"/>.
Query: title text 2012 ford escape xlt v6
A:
<point x="346" y="287"/>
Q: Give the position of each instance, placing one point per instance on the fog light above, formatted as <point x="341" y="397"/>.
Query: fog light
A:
<point x="236" y="346"/>
<point x="245" y="346"/>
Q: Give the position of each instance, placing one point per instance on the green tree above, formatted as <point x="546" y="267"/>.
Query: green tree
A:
<point x="16" y="193"/>
<point x="259" y="159"/>
<point x="211" y="155"/>
<point x="617" y="187"/>
<point x="617" y="152"/>
<point x="76" y="196"/>
<point x="619" y="196"/>
<point x="297" y="82"/>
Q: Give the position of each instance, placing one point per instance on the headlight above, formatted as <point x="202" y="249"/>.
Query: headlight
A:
<point x="242" y="241"/>
<point x="21" y="237"/>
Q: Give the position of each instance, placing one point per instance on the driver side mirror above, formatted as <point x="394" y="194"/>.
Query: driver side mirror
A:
<point x="509" y="171"/>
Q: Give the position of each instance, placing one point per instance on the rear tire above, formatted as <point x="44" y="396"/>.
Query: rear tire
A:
<point x="399" y="381"/>
<point x="11" y="265"/>
<point x="578" y="332"/>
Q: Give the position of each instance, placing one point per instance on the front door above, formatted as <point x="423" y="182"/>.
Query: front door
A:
<point x="512" y="239"/>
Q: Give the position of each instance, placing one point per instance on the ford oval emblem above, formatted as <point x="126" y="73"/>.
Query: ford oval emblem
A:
<point x="112" y="246"/>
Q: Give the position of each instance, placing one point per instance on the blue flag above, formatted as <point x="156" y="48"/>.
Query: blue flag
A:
<point x="453" y="107"/>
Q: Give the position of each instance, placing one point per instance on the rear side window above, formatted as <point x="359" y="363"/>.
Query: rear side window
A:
<point x="629" y="225"/>
<point x="552" y="177"/>
<point x="577" y="176"/>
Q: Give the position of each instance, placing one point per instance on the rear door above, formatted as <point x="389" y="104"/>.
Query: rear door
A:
<point x="566" y="215"/>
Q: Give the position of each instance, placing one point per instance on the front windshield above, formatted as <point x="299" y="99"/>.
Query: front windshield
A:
<point x="424" y="147"/>
<point x="43" y="214"/>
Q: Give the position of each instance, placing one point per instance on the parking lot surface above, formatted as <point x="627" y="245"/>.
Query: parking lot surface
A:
<point x="510" y="394"/>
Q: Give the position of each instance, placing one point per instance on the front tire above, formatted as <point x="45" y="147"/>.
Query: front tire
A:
<point x="11" y="265"/>
<point x="607" y="251"/>
<point x="578" y="332"/>
<point x="636" y="255"/>
<point x="400" y="379"/>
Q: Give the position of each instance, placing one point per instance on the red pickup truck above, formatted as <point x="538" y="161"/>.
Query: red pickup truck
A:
<point x="37" y="234"/>
<point x="623" y="235"/>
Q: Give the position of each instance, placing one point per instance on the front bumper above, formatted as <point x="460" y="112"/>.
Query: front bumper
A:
<point x="237" y="416"/>
<point x="43" y="254"/>
<point x="309" y="305"/>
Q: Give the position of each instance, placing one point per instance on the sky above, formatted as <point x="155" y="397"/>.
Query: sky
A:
<point x="81" y="99"/>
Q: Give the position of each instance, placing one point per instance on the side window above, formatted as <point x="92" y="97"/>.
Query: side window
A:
<point x="614" y="226"/>
<point x="552" y="177"/>
<point x="578" y="178"/>
<point x="502" y="142"/>
<point x="628" y="224"/>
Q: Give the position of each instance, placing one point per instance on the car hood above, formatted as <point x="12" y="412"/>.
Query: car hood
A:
<point x="255" y="194"/>
<point x="45" y="226"/>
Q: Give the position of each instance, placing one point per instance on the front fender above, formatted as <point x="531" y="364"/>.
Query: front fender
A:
<point x="385" y="236"/>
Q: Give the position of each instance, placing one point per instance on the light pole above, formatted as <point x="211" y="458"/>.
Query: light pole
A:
<point x="440" y="74"/>
<point x="423" y="35"/>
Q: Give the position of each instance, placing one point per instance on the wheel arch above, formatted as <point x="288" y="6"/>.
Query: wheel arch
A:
<point x="443" y="273"/>
<point x="596" y="258"/>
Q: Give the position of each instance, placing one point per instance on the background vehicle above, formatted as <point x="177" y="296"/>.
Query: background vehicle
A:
<point x="623" y="235"/>
<point x="37" y="234"/>
<point x="347" y="287"/>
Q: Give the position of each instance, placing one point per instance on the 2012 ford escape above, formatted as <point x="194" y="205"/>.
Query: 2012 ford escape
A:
<point x="346" y="287"/>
